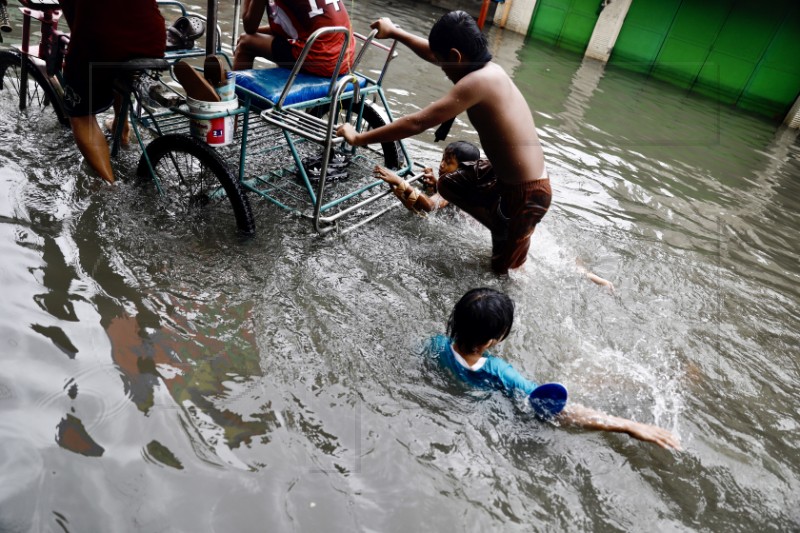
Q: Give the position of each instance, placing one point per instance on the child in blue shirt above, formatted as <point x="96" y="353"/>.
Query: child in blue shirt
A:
<point x="481" y="319"/>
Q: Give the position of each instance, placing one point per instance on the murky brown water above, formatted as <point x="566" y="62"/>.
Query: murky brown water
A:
<point x="168" y="377"/>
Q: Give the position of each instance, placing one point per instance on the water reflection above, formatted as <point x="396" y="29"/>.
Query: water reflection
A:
<point x="219" y="384"/>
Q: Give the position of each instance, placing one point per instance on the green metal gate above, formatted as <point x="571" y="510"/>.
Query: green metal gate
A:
<point x="565" y="23"/>
<point x="740" y="52"/>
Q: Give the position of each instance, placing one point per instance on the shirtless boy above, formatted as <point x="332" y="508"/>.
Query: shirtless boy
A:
<point x="509" y="193"/>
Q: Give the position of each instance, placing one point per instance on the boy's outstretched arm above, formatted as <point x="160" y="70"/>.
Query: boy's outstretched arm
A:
<point x="418" y="45"/>
<point x="461" y="97"/>
<point x="578" y="415"/>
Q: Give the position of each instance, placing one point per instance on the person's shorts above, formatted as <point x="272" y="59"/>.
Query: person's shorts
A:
<point x="88" y="87"/>
<point x="510" y="212"/>
<point x="282" y="52"/>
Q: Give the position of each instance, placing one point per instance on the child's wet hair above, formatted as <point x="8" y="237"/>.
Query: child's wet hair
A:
<point x="457" y="29"/>
<point x="463" y="151"/>
<point x="480" y="316"/>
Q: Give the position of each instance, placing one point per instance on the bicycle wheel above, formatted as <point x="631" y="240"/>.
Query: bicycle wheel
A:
<point x="192" y="177"/>
<point x="40" y="93"/>
<point x="390" y="152"/>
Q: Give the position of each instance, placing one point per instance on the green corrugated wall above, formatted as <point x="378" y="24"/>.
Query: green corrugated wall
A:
<point x="742" y="52"/>
<point x="565" y="23"/>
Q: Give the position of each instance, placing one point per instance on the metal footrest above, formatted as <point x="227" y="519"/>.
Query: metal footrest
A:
<point x="300" y="123"/>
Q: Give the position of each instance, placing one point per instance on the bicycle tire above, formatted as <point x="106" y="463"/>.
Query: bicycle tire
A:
<point x="41" y="94"/>
<point x="189" y="175"/>
<point x="391" y="150"/>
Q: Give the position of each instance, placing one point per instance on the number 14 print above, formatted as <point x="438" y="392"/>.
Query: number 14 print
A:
<point x="318" y="11"/>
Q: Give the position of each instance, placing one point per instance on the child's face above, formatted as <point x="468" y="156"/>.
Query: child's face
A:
<point x="448" y="164"/>
<point x="449" y="67"/>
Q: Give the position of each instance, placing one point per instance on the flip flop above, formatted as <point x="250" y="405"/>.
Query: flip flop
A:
<point x="214" y="70"/>
<point x="548" y="400"/>
<point x="194" y="83"/>
<point x="337" y="161"/>
<point x="314" y="175"/>
<point x="5" y="25"/>
<point x="183" y="32"/>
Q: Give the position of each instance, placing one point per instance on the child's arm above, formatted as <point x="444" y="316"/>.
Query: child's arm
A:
<point x="418" y="45"/>
<point x="584" y="417"/>
<point x="252" y="12"/>
<point x="413" y="199"/>
<point x="594" y="278"/>
<point x="434" y="201"/>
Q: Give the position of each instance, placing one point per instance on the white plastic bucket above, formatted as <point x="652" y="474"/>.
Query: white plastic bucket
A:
<point x="228" y="90"/>
<point x="215" y="131"/>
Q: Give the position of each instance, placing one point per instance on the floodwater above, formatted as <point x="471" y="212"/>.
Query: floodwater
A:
<point x="162" y="376"/>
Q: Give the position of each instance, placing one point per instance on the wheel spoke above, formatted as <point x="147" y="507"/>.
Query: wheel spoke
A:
<point x="39" y="93"/>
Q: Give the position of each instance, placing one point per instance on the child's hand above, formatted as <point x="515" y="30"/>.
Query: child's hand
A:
<point x="428" y="178"/>
<point x="387" y="175"/>
<point x="654" y="434"/>
<point x="385" y="28"/>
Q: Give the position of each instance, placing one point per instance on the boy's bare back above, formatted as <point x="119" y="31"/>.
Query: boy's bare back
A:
<point x="504" y="123"/>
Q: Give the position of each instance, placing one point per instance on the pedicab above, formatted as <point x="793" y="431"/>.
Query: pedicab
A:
<point x="281" y="144"/>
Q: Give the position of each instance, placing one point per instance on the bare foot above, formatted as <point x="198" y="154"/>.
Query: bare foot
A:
<point x="111" y="126"/>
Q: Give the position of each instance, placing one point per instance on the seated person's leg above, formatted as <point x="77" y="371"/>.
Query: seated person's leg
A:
<point x="111" y="123"/>
<point x="87" y="92"/>
<point x="272" y="47"/>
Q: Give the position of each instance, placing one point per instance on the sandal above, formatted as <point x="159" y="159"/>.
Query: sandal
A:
<point x="184" y="31"/>
<point x="336" y="168"/>
<point x="194" y="83"/>
<point x="214" y="70"/>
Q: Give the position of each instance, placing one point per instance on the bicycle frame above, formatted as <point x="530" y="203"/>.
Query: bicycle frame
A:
<point x="48" y="17"/>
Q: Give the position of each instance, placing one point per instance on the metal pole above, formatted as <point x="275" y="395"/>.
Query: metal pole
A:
<point x="484" y="12"/>
<point x="211" y="28"/>
<point x="237" y="15"/>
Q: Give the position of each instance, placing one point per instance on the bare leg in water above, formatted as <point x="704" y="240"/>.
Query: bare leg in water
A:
<point x="111" y="123"/>
<point x="93" y="145"/>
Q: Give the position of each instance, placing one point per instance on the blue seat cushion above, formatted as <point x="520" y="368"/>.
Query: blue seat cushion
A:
<point x="269" y="83"/>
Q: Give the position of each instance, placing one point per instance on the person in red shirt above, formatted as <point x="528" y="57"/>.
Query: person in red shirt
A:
<point x="291" y="22"/>
<point x="104" y="34"/>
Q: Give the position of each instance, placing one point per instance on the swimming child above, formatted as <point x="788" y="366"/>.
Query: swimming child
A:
<point x="509" y="192"/>
<point x="455" y="158"/>
<point x="482" y="319"/>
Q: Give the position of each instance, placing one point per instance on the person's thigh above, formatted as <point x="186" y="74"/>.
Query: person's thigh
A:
<point x="282" y="52"/>
<point x="525" y="205"/>
<point x="88" y="87"/>
<point x="272" y="47"/>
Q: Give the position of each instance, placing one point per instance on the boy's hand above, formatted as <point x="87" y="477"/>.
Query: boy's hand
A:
<point x="385" y="28"/>
<point x="654" y="434"/>
<point x="348" y="132"/>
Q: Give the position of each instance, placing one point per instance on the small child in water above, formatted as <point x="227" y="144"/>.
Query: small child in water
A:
<point x="455" y="155"/>
<point x="482" y="319"/>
